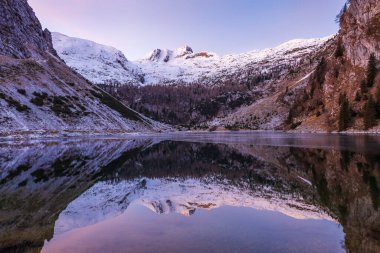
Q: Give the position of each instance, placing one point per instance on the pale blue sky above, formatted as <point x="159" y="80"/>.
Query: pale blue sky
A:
<point x="223" y="26"/>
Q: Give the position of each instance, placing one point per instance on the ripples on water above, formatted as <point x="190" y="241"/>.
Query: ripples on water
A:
<point x="233" y="192"/>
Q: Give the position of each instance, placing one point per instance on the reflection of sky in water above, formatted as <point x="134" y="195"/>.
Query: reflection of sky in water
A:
<point x="226" y="229"/>
<point x="206" y="192"/>
<point x="106" y="200"/>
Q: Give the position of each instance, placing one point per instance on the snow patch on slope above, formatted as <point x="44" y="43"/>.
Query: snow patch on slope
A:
<point x="98" y="63"/>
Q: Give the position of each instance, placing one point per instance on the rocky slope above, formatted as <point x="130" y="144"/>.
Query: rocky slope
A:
<point x="39" y="92"/>
<point x="345" y="73"/>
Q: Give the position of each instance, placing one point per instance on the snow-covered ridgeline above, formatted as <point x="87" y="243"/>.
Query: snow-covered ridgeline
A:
<point x="187" y="66"/>
<point x="104" y="64"/>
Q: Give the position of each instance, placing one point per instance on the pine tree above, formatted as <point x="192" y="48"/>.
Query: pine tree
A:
<point x="358" y="97"/>
<point x="371" y="70"/>
<point x="369" y="113"/>
<point x="378" y="103"/>
<point x="339" y="50"/>
<point x="363" y="87"/>
<point x="320" y="72"/>
<point x="344" y="113"/>
<point x="338" y="18"/>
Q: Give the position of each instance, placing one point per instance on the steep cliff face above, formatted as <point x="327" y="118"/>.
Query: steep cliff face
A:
<point x="360" y="31"/>
<point x="38" y="91"/>
<point x="344" y="74"/>
<point x="21" y="34"/>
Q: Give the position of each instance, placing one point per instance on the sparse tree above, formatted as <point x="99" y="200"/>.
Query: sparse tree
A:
<point x="363" y="87"/>
<point x="358" y="97"/>
<point x="344" y="113"/>
<point x="369" y="113"/>
<point x="371" y="70"/>
<point x="339" y="50"/>
<point x="378" y="102"/>
<point x="320" y="71"/>
<point x="339" y="17"/>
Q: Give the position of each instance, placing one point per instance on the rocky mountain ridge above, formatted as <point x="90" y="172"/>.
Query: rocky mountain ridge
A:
<point x="39" y="92"/>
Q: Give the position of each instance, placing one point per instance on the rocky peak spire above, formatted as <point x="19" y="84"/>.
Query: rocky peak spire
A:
<point x="21" y="34"/>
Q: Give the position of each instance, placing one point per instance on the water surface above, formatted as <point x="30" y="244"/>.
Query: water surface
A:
<point x="192" y="192"/>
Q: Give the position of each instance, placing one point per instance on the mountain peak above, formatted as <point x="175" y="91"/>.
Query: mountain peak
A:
<point x="183" y="51"/>
<point x="165" y="55"/>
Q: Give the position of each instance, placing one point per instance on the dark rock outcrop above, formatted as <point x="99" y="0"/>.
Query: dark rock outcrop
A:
<point x="21" y="34"/>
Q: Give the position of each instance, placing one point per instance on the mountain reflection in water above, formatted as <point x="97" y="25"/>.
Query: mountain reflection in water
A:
<point x="236" y="192"/>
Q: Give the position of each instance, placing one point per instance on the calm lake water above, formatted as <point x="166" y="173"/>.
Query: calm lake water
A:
<point x="209" y="192"/>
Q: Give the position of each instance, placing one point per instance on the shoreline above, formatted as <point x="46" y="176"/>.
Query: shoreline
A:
<point x="64" y="134"/>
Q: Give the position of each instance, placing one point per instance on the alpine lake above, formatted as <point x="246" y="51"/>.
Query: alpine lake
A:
<point x="192" y="192"/>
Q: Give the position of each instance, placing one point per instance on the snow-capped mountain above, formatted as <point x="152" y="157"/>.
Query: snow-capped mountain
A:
<point x="242" y="80"/>
<point x="185" y="65"/>
<point x="103" y="64"/>
<point x="98" y="63"/>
